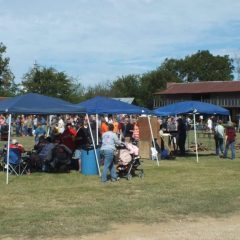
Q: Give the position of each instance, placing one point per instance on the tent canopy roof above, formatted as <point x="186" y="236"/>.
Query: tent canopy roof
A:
<point x="190" y="107"/>
<point x="33" y="103"/>
<point x="105" y="105"/>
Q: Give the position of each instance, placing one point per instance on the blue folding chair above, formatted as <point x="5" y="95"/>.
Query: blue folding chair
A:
<point x="16" y="165"/>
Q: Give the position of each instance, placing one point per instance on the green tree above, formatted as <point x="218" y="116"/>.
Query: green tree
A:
<point x="7" y="84"/>
<point x="126" y="86"/>
<point x="202" y="66"/>
<point x="237" y="64"/>
<point x="152" y="82"/>
<point x="48" y="81"/>
<point x="100" y="89"/>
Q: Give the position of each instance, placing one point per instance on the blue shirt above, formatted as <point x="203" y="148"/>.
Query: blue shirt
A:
<point x="109" y="139"/>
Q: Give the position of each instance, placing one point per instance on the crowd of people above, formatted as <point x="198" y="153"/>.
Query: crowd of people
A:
<point x="177" y="128"/>
<point x="224" y="134"/>
<point x="225" y="139"/>
<point x="58" y="140"/>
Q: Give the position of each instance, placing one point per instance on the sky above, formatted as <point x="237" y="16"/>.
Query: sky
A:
<point x="96" y="41"/>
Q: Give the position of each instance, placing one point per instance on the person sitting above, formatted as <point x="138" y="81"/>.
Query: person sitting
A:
<point x="45" y="154"/>
<point x="61" y="158"/>
<point x="16" y="145"/>
<point x="35" y="162"/>
<point x="15" y="154"/>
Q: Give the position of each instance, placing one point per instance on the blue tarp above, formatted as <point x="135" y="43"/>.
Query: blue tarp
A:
<point x="190" y="107"/>
<point x="105" y="105"/>
<point x="33" y="103"/>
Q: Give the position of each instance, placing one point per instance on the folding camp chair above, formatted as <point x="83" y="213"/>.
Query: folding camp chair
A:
<point x="16" y="165"/>
<point x="154" y="153"/>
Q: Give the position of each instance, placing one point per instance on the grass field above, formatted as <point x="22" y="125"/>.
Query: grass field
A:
<point x="71" y="204"/>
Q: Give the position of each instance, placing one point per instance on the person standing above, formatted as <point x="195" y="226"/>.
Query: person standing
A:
<point x="135" y="131"/>
<point x="230" y="137"/>
<point x="210" y="124"/>
<point x="181" y="135"/>
<point x="126" y="129"/>
<point x="104" y="125"/>
<point x="40" y="131"/>
<point x="218" y="137"/>
<point x="68" y="136"/>
<point x="109" y="139"/>
<point x="61" y="125"/>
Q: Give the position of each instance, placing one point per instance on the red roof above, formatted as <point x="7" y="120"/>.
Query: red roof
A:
<point x="202" y="87"/>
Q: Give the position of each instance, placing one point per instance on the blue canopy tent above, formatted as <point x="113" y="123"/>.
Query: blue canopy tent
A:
<point x="191" y="107"/>
<point x="106" y="105"/>
<point x="33" y="103"/>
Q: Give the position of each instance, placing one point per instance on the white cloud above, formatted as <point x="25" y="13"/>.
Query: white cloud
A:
<point x="100" y="40"/>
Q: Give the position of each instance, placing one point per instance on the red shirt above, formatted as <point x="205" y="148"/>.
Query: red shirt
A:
<point x="18" y="146"/>
<point x="68" y="137"/>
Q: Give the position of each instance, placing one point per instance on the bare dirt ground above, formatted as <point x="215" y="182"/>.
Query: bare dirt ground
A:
<point x="192" y="229"/>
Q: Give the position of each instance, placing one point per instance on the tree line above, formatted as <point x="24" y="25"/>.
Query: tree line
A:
<point x="201" y="66"/>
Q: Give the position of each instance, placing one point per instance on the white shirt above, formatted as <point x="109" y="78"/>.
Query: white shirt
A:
<point x="219" y="129"/>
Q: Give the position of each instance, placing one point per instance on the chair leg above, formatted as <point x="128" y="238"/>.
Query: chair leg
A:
<point x="23" y="169"/>
<point x="13" y="169"/>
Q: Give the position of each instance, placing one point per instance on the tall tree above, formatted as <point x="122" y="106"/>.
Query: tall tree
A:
<point x="201" y="66"/>
<point x="48" y="81"/>
<point x="126" y="86"/>
<point x="100" y="89"/>
<point x="7" y="85"/>
<point x="237" y="68"/>
<point x="152" y="82"/>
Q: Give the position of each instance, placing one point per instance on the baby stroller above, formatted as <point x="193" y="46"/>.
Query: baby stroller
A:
<point x="129" y="163"/>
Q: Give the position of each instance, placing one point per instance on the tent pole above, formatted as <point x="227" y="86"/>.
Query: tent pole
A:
<point x="154" y="145"/>
<point x="94" y="146"/>
<point x="195" y="135"/>
<point x="49" y="124"/>
<point x="8" y="145"/>
<point x="97" y="129"/>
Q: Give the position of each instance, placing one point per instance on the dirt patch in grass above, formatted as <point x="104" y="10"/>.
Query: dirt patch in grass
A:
<point x="191" y="229"/>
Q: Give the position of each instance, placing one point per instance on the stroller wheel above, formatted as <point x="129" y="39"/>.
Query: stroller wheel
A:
<point x="141" y="174"/>
<point x="129" y="176"/>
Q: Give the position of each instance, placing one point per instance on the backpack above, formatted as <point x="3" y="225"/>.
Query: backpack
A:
<point x="164" y="154"/>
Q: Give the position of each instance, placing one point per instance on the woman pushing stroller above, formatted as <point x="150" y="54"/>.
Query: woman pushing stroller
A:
<point x="109" y="139"/>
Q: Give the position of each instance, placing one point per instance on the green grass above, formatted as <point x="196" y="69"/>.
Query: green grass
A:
<point x="72" y="204"/>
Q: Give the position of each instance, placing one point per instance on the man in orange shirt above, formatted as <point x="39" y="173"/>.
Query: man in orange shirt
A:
<point x="104" y="126"/>
<point x="115" y="125"/>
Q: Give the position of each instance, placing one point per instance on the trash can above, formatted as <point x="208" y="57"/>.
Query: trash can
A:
<point x="88" y="161"/>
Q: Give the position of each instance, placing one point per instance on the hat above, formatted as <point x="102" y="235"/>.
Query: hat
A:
<point x="230" y="124"/>
<point x="14" y="141"/>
